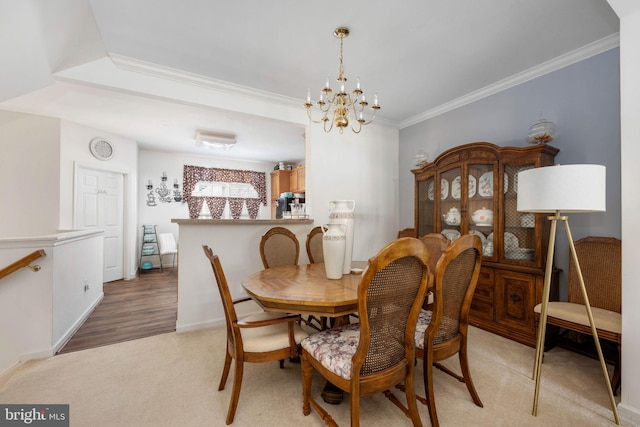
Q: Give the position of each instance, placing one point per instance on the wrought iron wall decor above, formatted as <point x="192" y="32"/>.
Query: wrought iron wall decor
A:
<point x="164" y="193"/>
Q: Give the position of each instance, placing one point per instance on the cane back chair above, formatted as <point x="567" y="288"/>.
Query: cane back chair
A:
<point x="377" y="353"/>
<point x="314" y="245"/>
<point x="442" y="331"/>
<point x="601" y="266"/>
<point x="279" y="246"/>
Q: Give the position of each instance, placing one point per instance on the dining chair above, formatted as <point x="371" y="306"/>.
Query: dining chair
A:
<point x="279" y="246"/>
<point x="314" y="245"/>
<point x="257" y="338"/>
<point x="601" y="266"/>
<point x="167" y="246"/>
<point x="378" y="352"/>
<point x="436" y="244"/>
<point x="442" y="331"/>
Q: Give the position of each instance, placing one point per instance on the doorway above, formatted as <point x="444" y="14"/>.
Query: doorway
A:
<point x="99" y="204"/>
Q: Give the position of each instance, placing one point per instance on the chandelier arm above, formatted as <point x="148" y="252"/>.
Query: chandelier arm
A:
<point x="314" y="120"/>
<point x="330" y="125"/>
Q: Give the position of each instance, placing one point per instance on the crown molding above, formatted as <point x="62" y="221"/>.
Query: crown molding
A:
<point x="184" y="77"/>
<point x="539" y="70"/>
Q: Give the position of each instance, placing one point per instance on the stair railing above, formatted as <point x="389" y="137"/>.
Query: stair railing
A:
<point x="23" y="262"/>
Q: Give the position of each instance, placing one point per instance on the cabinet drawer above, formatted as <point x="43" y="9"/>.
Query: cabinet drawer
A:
<point x="484" y="287"/>
<point x="485" y="277"/>
<point x="484" y="293"/>
<point x="481" y="310"/>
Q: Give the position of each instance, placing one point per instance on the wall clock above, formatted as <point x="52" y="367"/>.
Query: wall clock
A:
<point x="101" y="149"/>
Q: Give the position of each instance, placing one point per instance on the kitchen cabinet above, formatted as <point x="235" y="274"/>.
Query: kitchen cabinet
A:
<point x="297" y="180"/>
<point x="280" y="183"/>
<point x="473" y="189"/>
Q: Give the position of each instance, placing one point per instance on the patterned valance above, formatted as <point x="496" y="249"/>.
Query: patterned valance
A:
<point x="194" y="174"/>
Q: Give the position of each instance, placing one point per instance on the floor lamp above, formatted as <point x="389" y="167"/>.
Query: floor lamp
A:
<point x="568" y="189"/>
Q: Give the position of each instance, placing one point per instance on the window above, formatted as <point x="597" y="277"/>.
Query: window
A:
<point x="224" y="189"/>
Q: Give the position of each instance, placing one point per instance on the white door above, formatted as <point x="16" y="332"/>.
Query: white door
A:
<point x="99" y="205"/>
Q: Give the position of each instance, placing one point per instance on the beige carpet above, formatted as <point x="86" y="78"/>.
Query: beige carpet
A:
<point x="172" y="380"/>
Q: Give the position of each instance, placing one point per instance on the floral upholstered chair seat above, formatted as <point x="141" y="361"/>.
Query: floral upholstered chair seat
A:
<point x="334" y="348"/>
<point x="423" y="322"/>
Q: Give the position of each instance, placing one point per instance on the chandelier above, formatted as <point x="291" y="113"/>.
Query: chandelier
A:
<point x="339" y="108"/>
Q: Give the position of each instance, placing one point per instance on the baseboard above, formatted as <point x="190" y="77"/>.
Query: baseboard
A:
<point x="629" y="413"/>
<point x="74" y="328"/>
<point x="181" y="328"/>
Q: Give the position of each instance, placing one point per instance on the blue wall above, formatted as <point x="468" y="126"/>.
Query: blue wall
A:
<point x="582" y="100"/>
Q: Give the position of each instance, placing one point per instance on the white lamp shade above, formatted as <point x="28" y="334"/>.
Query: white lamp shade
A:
<point x="563" y="188"/>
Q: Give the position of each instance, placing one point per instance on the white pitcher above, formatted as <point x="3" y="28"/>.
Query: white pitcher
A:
<point x="333" y="248"/>
<point x="341" y="212"/>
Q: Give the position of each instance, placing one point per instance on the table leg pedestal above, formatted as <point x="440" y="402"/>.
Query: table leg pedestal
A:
<point x="332" y="394"/>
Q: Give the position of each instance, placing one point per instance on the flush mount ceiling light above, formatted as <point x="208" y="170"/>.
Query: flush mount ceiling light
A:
<point x="341" y="106"/>
<point x="215" y="140"/>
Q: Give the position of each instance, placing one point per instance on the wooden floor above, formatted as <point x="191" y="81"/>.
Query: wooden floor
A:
<point x="130" y="310"/>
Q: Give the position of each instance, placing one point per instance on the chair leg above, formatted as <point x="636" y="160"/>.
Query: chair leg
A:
<point x="410" y="392"/>
<point x="225" y="371"/>
<point x="466" y="373"/>
<point x="235" y="392"/>
<point x="307" y="374"/>
<point x="355" y="407"/>
<point x="428" y="388"/>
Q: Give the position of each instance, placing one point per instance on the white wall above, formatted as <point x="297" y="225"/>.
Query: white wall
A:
<point x="629" y="13"/>
<point x="363" y="168"/>
<point x="29" y="174"/>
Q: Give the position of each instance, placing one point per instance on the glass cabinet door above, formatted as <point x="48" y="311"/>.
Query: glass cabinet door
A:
<point x="426" y="207"/>
<point x="482" y="187"/>
<point x="519" y="227"/>
<point x="451" y="196"/>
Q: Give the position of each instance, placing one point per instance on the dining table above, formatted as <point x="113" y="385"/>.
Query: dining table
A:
<point x="306" y="290"/>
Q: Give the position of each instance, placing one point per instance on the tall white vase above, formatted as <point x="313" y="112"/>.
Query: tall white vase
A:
<point x="333" y="247"/>
<point x="341" y="212"/>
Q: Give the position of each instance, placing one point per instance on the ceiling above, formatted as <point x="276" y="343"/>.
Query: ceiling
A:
<point x="158" y="70"/>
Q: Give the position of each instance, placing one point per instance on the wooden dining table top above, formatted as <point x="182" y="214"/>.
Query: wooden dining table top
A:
<point x="305" y="289"/>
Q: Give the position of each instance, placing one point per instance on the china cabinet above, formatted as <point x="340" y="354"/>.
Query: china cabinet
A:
<point x="473" y="189"/>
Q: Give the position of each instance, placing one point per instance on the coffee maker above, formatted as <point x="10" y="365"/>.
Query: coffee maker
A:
<point x="283" y="204"/>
